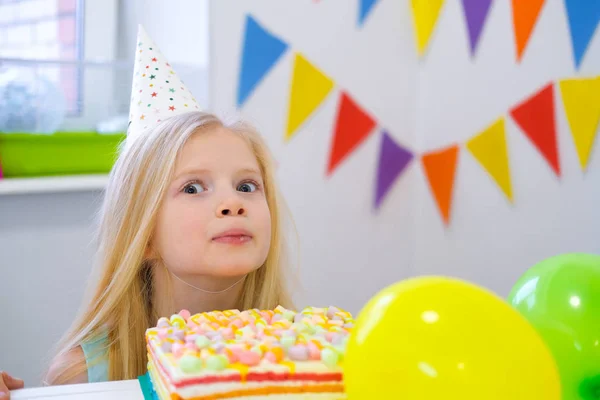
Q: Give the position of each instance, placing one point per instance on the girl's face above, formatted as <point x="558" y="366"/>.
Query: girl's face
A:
<point x="214" y="220"/>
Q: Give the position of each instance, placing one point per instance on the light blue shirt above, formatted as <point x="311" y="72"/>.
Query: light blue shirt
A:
<point x="96" y="359"/>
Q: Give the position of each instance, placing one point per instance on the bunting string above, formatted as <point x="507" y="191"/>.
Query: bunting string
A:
<point x="535" y="115"/>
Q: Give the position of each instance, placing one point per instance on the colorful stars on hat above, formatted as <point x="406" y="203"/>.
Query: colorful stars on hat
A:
<point x="146" y="105"/>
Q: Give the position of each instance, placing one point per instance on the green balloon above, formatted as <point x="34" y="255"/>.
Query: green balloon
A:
<point x="560" y="297"/>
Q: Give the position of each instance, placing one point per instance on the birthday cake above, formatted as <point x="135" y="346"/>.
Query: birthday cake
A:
<point x="249" y="354"/>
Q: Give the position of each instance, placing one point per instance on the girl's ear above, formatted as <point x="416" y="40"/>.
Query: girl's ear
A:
<point x="150" y="254"/>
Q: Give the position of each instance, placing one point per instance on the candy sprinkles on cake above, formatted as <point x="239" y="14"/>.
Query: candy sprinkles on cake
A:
<point x="229" y="354"/>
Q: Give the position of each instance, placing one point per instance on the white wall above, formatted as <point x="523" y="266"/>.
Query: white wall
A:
<point x="445" y="97"/>
<point x="46" y="253"/>
<point x="348" y="251"/>
<point x="489" y="241"/>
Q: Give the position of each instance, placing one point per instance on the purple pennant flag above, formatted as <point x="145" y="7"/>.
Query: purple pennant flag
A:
<point x="393" y="159"/>
<point x="475" y="12"/>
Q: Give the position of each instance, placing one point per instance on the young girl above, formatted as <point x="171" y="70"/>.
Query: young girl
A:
<point x="191" y="220"/>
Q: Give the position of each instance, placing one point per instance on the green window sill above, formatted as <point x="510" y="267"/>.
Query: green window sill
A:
<point x="61" y="154"/>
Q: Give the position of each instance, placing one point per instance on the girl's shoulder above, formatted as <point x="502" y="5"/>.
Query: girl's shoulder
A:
<point x="86" y="363"/>
<point x="95" y="352"/>
<point x="62" y="370"/>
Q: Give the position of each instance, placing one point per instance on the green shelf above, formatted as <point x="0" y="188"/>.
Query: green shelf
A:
<point x="62" y="153"/>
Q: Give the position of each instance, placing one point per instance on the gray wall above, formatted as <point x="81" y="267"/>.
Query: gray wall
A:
<point x="46" y="251"/>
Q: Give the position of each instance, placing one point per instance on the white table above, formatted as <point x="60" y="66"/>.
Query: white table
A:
<point x="119" y="390"/>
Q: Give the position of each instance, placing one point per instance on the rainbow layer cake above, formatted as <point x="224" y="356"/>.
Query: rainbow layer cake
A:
<point x="253" y="353"/>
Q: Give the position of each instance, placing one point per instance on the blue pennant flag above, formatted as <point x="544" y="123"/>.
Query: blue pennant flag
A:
<point x="365" y="9"/>
<point x="261" y="50"/>
<point x="583" y="19"/>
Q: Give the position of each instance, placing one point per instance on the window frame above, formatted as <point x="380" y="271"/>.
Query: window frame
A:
<point x="95" y="45"/>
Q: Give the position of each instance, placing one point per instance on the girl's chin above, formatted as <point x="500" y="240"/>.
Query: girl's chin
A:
<point x="230" y="270"/>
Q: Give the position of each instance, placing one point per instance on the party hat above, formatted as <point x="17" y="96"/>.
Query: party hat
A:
<point x="157" y="92"/>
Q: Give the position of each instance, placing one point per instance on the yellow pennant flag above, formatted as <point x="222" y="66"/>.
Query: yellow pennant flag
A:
<point x="425" y="16"/>
<point x="309" y="88"/>
<point x="581" y="98"/>
<point x="490" y="150"/>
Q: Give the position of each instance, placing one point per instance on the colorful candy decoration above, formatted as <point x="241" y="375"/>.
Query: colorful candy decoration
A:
<point x="560" y="297"/>
<point x="206" y="340"/>
<point x="443" y="338"/>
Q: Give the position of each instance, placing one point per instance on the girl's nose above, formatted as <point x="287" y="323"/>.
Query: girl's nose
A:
<point x="231" y="208"/>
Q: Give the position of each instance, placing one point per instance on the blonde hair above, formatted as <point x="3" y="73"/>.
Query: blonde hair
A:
<point x="121" y="306"/>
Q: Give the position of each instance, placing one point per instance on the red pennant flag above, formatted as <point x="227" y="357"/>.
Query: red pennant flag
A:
<point x="352" y="127"/>
<point x="535" y="116"/>
<point x="440" y="168"/>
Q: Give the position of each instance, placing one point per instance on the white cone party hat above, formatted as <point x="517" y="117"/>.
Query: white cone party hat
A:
<point x="157" y="92"/>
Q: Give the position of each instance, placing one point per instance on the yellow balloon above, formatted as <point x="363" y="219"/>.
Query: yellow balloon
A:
<point x="443" y="338"/>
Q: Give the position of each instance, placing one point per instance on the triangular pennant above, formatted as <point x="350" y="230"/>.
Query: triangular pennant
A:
<point x="583" y="20"/>
<point x="525" y="15"/>
<point x="425" y="16"/>
<point x="308" y="90"/>
<point x="490" y="150"/>
<point x="581" y="98"/>
<point x="260" y="52"/>
<point x="365" y="8"/>
<point x="352" y="127"/>
<point x="535" y="116"/>
<point x="440" y="169"/>
<point x="476" y="12"/>
<point x="393" y="160"/>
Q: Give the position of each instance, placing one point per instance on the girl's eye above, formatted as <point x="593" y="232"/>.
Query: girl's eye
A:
<point x="247" y="187"/>
<point x="193" y="188"/>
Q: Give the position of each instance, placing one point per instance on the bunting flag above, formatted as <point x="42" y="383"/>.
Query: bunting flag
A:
<point x="476" y="12"/>
<point x="536" y="118"/>
<point x="583" y="18"/>
<point x="393" y="160"/>
<point x="352" y="127"/>
<point x="535" y="115"/>
<point x="309" y="89"/>
<point x="365" y="8"/>
<point x="490" y="150"/>
<point x="581" y="99"/>
<point x="260" y="51"/>
<point x="425" y="17"/>
<point x="525" y="15"/>
<point x="440" y="169"/>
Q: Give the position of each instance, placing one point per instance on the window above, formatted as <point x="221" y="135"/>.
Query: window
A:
<point x="46" y="36"/>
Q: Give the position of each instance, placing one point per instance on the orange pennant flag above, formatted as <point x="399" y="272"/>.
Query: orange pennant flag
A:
<point x="490" y="150"/>
<point x="525" y="15"/>
<point x="440" y="168"/>
<point x="309" y="88"/>
<point x="581" y="98"/>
